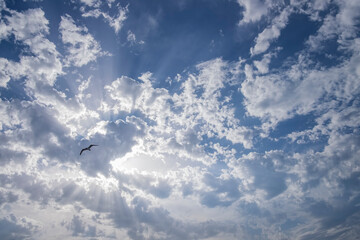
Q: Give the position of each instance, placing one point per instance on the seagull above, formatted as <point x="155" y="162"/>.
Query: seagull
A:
<point x="88" y="148"/>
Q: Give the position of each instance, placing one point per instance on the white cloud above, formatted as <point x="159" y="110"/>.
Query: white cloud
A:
<point x="43" y="64"/>
<point x="9" y="118"/>
<point x="272" y="32"/>
<point x="9" y="70"/>
<point x="253" y="10"/>
<point x="116" y="22"/>
<point x="218" y="115"/>
<point x="181" y="121"/>
<point x="110" y="2"/>
<point x="24" y="25"/>
<point x="178" y="163"/>
<point x="340" y="26"/>
<point x="299" y="183"/>
<point x="81" y="46"/>
<point x="46" y="66"/>
<point x="348" y="12"/>
<point x="104" y="209"/>
<point x="127" y="92"/>
<point x="263" y="65"/>
<point x="314" y="8"/>
<point x="91" y="3"/>
<point x="315" y="178"/>
<point x="280" y="96"/>
<point x="320" y="4"/>
<point x="131" y="38"/>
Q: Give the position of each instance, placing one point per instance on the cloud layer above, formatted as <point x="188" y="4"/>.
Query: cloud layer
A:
<point x="260" y="145"/>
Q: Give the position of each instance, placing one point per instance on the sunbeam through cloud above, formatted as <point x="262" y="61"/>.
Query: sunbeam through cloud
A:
<point x="228" y="119"/>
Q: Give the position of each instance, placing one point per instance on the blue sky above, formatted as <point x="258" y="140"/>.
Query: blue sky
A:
<point x="226" y="119"/>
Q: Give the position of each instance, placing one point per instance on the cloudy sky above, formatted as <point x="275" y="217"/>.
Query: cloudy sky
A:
<point x="215" y="119"/>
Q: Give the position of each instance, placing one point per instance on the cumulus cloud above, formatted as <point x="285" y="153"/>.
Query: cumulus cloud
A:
<point x="298" y="181"/>
<point x="199" y="100"/>
<point x="25" y="25"/>
<point x="253" y="10"/>
<point x="9" y="71"/>
<point x="340" y="26"/>
<point x="276" y="97"/>
<point x="315" y="177"/>
<point x="82" y="48"/>
<point x="42" y="64"/>
<point x="197" y="160"/>
<point x="215" y="113"/>
<point x="263" y="64"/>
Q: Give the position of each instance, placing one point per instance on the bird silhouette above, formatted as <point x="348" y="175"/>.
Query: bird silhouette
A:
<point x="88" y="148"/>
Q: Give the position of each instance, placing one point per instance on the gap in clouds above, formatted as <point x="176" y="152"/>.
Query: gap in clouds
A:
<point x="294" y="36"/>
<point x="10" y="50"/>
<point x="15" y="90"/>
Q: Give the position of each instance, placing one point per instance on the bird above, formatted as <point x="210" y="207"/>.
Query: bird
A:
<point x="88" y="148"/>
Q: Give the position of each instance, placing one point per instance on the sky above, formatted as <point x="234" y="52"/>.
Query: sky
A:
<point x="214" y="119"/>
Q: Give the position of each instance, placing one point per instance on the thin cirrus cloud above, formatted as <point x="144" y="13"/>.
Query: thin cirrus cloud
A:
<point x="116" y="22"/>
<point x="262" y="143"/>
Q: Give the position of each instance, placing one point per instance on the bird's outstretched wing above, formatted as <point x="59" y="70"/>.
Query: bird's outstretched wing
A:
<point x="88" y="148"/>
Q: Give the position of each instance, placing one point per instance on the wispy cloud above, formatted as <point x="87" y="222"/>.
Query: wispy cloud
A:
<point x="91" y="3"/>
<point x="116" y="22"/>
<point x="131" y="38"/>
<point x="272" y="32"/>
